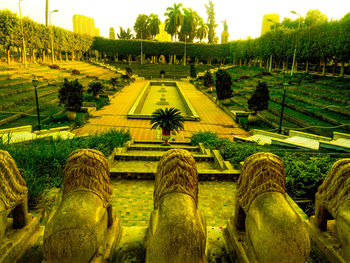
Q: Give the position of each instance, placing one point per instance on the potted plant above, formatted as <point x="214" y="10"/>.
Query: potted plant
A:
<point x="114" y="82"/>
<point x="162" y="74"/>
<point x="259" y="101"/>
<point x="208" y="81"/>
<point x="168" y="119"/>
<point x="96" y="87"/>
<point x="71" y="97"/>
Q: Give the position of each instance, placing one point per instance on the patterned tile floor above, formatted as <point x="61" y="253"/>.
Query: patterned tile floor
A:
<point x="133" y="201"/>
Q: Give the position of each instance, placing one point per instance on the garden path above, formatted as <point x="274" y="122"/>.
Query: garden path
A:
<point x="113" y="116"/>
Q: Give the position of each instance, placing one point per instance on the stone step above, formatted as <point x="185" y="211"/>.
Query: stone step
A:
<point x="159" y="147"/>
<point x="141" y="169"/>
<point x="155" y="156"/>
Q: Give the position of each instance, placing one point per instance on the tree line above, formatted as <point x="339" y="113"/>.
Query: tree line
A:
<point x="181" y="23"/>
<point x="38" y="39"/>
<point x="316" y="41"/>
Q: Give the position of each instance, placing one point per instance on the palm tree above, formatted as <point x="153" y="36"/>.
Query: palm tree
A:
<point x="95" y="87"/>
<point x="175" y="18"/>
<point x="168" y="120"/>
<point x="125" y="34"/>
<point x="202" y="30"/>
<point x="153" y="23"/>
<point x="190" y="23"/>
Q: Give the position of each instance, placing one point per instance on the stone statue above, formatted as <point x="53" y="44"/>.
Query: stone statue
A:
<point x="13" y="195"/>
<point x="177" y="229"/>
<point x="273" y="230"/>
<point x="77" y="229"/>
<point x="333" y="199"/>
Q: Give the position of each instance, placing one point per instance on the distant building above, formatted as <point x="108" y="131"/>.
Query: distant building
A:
<point x="163" y="36"/>
<point x="111" y="33"/>
<point x="266" y="23"/>
<point x="84" y="25"/>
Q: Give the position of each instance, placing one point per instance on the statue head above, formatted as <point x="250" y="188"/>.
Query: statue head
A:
<point x="13" y="187"/>
<point x="88" y="170"/>
<point x="176" y="173"/>
<point x="261" y="172"/>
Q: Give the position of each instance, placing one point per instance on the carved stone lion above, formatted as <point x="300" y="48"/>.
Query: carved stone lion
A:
<point x="13" y="194"/>
<point x="177" y="230"/>
<point x="333" y="200"/>
<point x="78" y="227"/>
<point x="274" y="231"/>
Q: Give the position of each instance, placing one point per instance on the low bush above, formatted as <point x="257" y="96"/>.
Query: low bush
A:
<point x="42" y="162"/>
<point x="75" y="72"/>
<point x="54" y="66"/>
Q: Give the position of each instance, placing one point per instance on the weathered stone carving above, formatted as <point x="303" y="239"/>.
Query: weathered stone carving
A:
<point x="177" y="230"/>
<point x="333" y="200"/>
<point x="13" y="194"/>
<point x="273" y="230"/>
<point x="76" y="231"/>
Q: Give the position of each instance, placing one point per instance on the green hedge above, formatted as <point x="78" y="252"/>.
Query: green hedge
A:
<point x="155" y="48"/>
<point x="42" y="161"/>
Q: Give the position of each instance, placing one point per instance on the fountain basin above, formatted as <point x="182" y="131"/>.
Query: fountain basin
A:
<point x="163" y="94"/>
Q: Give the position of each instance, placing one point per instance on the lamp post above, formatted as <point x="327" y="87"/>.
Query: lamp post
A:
<point x="52" y="52"/>
<point x="23" y="43"/>
<point x="185" y="52"/>
<point x="35" y="82"/>
<point x="285" y="86"/>
<point x="295" y="47"/>
<point x="141" y="48"/>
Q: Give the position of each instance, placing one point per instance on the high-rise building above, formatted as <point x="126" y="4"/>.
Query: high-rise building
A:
<point x="111" y="33"/>
<point x="268" y="21"/>
<point x="84" y="25"/>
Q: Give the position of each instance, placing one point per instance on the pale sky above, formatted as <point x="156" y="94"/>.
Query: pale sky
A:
<point x="243" y="17"/>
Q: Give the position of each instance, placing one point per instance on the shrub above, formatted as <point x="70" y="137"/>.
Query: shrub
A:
<point x="128" y="72"/>
<point x="42" y="161"/>
<point x="210" y="140"/>
<point x="193" y="72"/>
<point x="260" y="98"/>
<point x="71" y="95"/>
<point x="223" y="85"/>
<point x="54" y="66"/>
<point x="75" y="72"/>
<point x="208" y="79"/>
<point x="95" y="87"/>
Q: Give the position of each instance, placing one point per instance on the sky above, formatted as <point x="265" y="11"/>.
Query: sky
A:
<point x="243" y="17"/>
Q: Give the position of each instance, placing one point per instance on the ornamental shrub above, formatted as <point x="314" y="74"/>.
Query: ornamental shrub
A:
<point x="208" y="79"/>
<point x="223" y="85"/>
<point x="260" y="98"/>
<point x="193" y="72"/>
<point x="71" y="95"/>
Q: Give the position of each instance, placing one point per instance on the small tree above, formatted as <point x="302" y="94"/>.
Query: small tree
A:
<point x="208" y="79"/>
<point x="260" y="98"/>
<point x="71" y="95"/>
<point x="129" y="72"/>
<point x="95" y="87"/>
<point x="193" y="73"/>
<point x="223" y="85"/>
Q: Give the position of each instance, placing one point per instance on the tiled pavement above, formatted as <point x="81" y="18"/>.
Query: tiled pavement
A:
<point x="114" y="116"/>
<point x="133" y="201"/>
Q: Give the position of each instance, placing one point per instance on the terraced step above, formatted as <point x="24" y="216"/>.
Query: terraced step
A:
<point x="155" y="156"/>
<point x="146" y="170"/>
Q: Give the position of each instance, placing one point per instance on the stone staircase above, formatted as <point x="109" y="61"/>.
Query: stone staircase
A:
<point x="139" y="160"/>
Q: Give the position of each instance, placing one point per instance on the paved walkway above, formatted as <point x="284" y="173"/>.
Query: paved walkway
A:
<point x="133" y="201"/>
<point x="113" y="116"/>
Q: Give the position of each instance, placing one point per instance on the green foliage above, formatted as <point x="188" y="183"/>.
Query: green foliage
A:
<point x="96" y="87"/>
<point x="141" y="27"/>
<point x="174" y="20"/>
<point x="75" y="72"/>
<point x="169" y="119"/>
<point x="208" y="79"/>
<point x="223" y="85"/>
<point x="128" y="72"/>
<point x="211" y="21"/>
<point x="125" y="34"/>
<point x="304" y="174"/>
<point x="260" y="98"/>
<point x="71" y="95"/>
<point x="42" y="162"/>
<point x="210" y="140"/>
<point x="193" y="72"/>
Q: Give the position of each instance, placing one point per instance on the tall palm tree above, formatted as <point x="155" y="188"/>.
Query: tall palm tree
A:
<point x="125" y="34"/>
<point x="168" y="120"/>
<point x="202" y="30"/>
<point x="153" y="23"/>
<point x="190" y="24"/>
<point x="175" y="18"/>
